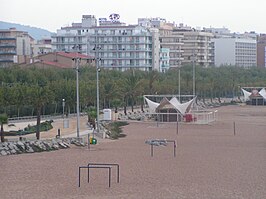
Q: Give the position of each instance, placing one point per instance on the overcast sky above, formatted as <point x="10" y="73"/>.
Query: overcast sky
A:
<point x="236" y="15"/>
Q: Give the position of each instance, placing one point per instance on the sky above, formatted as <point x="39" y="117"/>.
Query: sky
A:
<point x="236" y="15"/>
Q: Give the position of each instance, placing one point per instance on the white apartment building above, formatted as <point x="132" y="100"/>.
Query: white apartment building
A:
<point x="235" y="51"/>
<point x="116" y="45"/>
<point x="123" y="47"/>
<point x="74" y="38"/>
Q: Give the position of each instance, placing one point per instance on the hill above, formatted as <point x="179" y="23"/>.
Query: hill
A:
<point x="36" y="33"/>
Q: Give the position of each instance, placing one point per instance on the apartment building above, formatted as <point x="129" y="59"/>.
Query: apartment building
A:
<point x="237" y="51"/>
<point x="15" y="46"/>
<point x="173" y="42"/>
<point x="116" y="45"/>
<point x="196" y="46"/>
<point x="168" y="40"/>
<point x="143" y="46"/>
<point x="164" y="59"/>
<point x="123" y="47"/>
<point x="185" y="44"/>
<point x="261" y="51"/>
<point x="43" y="46"/>
<point x="74" y="38"/>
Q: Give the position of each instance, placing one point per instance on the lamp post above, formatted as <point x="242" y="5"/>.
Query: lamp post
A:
<point x="63" y="104"/>
<point x="179" y="83"/>
<point x="97" y="59"/>
<point x="194" y="83"/>
<point x="97" y="81"/>
<point x="77" y="61"/>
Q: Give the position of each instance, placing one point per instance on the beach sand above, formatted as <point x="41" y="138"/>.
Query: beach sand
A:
<point x="211" y="162"/>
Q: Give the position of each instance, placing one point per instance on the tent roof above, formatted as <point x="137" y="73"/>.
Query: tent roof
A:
<point x="165" y="104"/>
<point x="172" y="104"/>
<point x="263" y="93"/>
<point x="254" y="93"/>
<point x="246" y="94"/>
<point x="152" y="105"/>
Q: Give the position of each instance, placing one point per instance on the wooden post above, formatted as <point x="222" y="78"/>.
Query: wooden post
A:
<point x="234" y="128"/>
<point x="177" y="127"/>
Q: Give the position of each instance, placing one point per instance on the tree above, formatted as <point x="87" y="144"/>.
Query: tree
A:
<point x="141" y="100"/>
<point x="39" y="96"/>
<point x="116" y="103"/>
<point x="149" y="81"/>
<point x="3" y="120"/>
<point x="131" y="87"/>
<point x="92" y="115"/>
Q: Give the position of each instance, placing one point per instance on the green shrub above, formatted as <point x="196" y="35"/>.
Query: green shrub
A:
<point x="115" y="130"/>
<point x="44" y="126"/>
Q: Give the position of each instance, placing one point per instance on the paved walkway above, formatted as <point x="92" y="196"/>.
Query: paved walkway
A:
<point x="71" y="131"/>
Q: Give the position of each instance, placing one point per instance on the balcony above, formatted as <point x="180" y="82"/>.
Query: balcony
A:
<point x="7" y="38"/>
<point x="6" y="60"/>
<point x="8" y="53"/>
<point x="7" y="45"/>
<point x="126" y="65"/>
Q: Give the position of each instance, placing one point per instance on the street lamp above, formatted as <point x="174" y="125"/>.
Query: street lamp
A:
<point x="97" y="59"/>
<point x="179" y="83"/>
<point x="194" y="84"/>
<point x="97" y="80"/>
<point x="77" y="61"/>
<point x="63" y="104"/>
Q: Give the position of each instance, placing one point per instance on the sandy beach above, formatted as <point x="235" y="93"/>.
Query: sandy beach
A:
<point x="211" y="162"/>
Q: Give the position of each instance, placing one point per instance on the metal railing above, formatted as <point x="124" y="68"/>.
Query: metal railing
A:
<point x="100" y="166"/>
<point x="161" y="142"/>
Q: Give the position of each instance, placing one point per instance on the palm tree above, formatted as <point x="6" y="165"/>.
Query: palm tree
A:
<point x="116" y="103"/>
<point x="3" y="120"/>
<point x="132" y="88"/>
<point x="39" y="96"/>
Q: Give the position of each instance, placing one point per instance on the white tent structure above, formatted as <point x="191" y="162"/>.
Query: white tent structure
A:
<point x="257" y="96"/>
<point x="172" y="110"/>
<point x="173" y="103"/>
<point x="182" y="108"/>
<point x="263" y="93"/>
<point x="246" y="94"/>
<point x="152" y="105"/>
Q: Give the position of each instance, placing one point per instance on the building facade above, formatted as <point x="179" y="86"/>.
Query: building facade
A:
<point x="15" y="46"/>
<point x="74" y="38"/>
<point x="261" y="51"/>
<point x="173" y="42"/>
<point x="164" y="59"/>
<point x="115" y="45"/>
<point x="122" y="47"/>
<point x="167" y="40"/>
<point x="43" y="46"/>
<point x="197" y="47"/>
<point x="185" y="44"/>
<point x="240" y="52"/>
